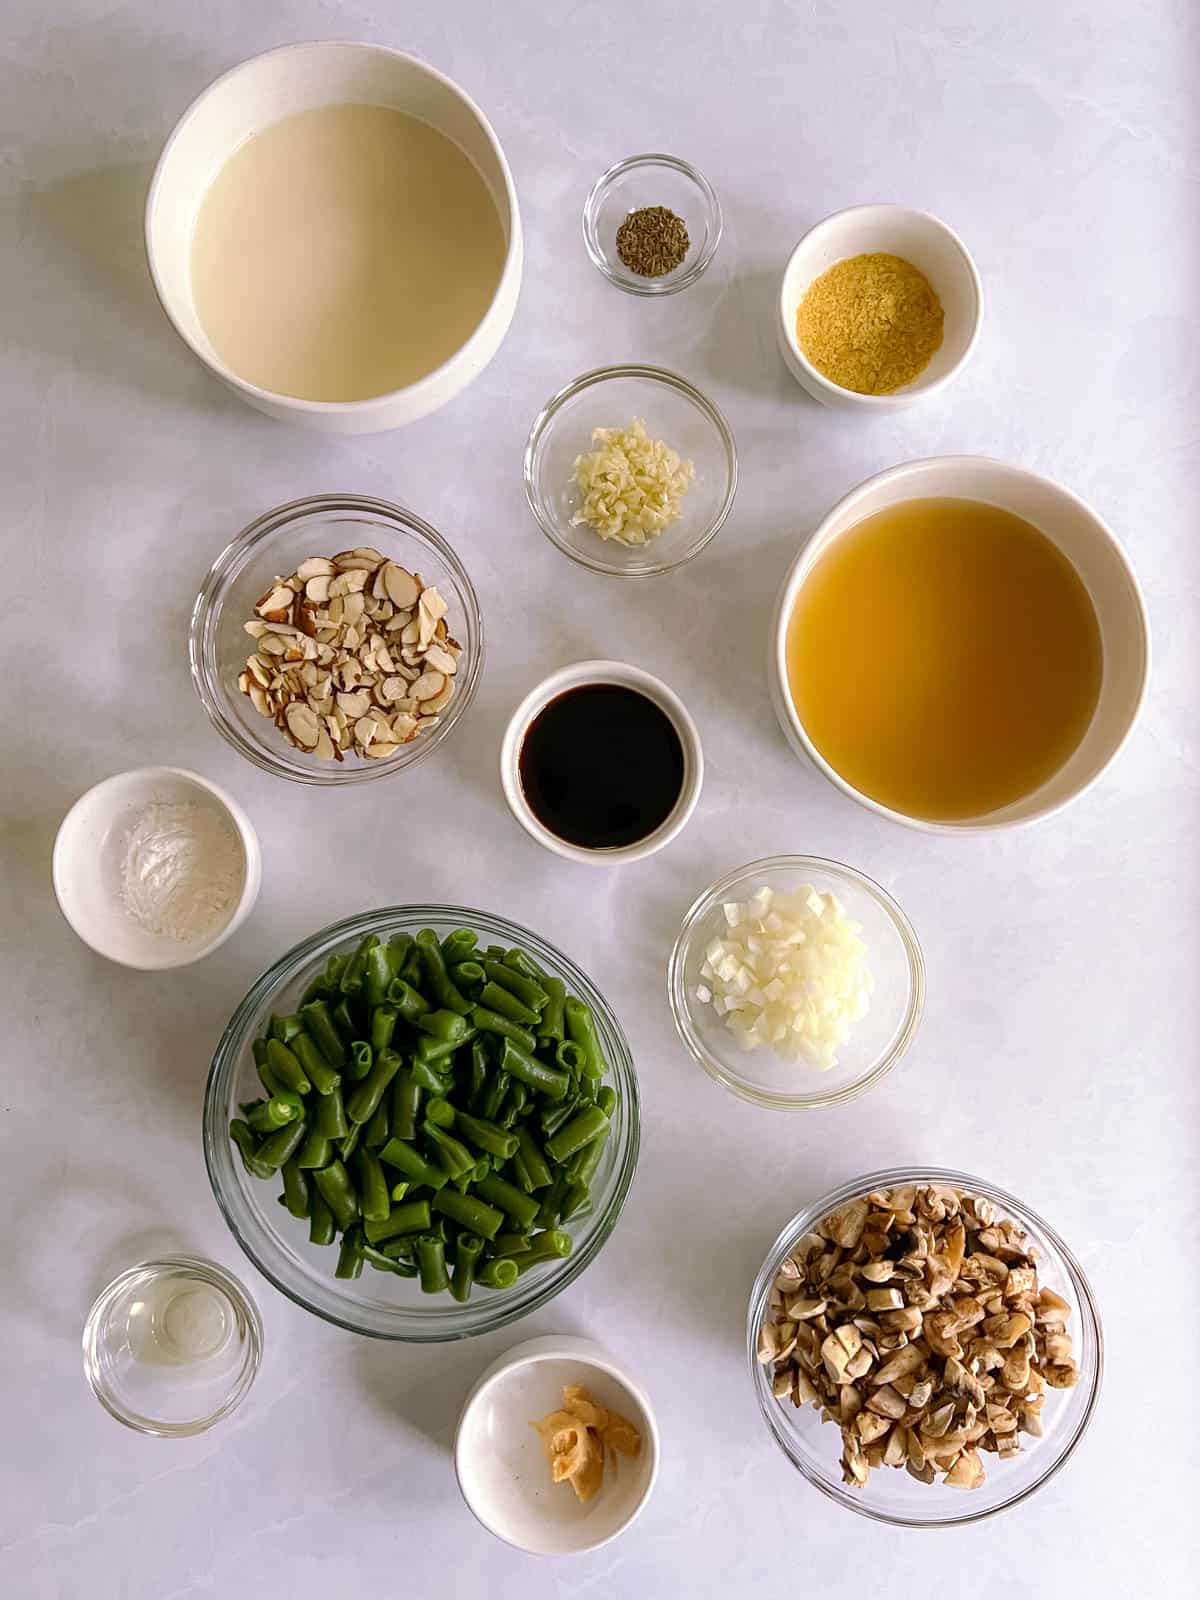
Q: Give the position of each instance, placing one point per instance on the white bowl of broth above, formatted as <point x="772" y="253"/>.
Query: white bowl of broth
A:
<point x="333" y="230"/>
<point x="961" y="646"/>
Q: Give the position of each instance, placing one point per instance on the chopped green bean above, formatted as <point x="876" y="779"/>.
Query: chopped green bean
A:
<point x="510" y="1244"/>
<point x="467" y="975"/>
<point x="504" y="1004"/>
<point x="570" y="1057"/>
<point x="451" y="1152"/>
<point x="285" y="1029"/>
<point x="437" y="1053"/>
<point x="319" y="1022"/>
<point x="440" y="1112"/>
<point x="377" y="975"/>
<point x="400" y="1189"/>
<point x="283" y="1063"/>
<point x="407" y="1002"/>
<point x="322" y="1076"/>
<point x="457" y="946"/>
<point x="551" y="1025"/>
<point x="584" y="1164"/>
<point x="374" y="1202"/>
<point x="321" y="1227"/>
<point x="383" y="1027"/>
<point x="281" y="1145"/>
<point x="344" y="1021"/>
<point x="552" y="1245"/>
<point x="581" y="1130"/>
<point x="426" y="1077"/>
<point x="412" y="1217"/>
<point x="378" y="1131"/>
<point x="349" y="1144"/>
<point x="581" y="1030"/>
<point x="511" y="1200"/>
<point x="331" y="1115"/>
<point x="349" y="1261"/>
<point x="546" y="1080"/>
<point x="356" y="967"/>
<point x="437" y="980"/>
<point x="316" y="1149"/>
<point x="295" y="1190"/>
<point x="431" y="1261"/>
<point x="397" y="1153"/>
<point x="478" y="1074"/>
<point x="406" y="1105"/>
<point x="606" y="1099"/>
<point x="492" y="1022"/>
<point x="338" y="1192"/>
<point x="241" y="1134"/>
<point x="553" y="1117"/>
<point x="486" y="1136"/>
<point x="531" y="992"/>
<point x="534" y="1161"/>
<point x="364" y="1102"/>
<point x="469" y="1211"/>
<point x="266" y="1077"/>
<point x="499" y="1273"/>
<point x="520" y="962"/>
<point x="275" y="1113"/>
<point x="493" y="1095"/>
<point x="447" y="1027"/>
<point x="467" y="1251"/>
<point x="362" y="1059"/>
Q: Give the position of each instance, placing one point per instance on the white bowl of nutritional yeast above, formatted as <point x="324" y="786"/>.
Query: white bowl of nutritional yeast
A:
<point x="156" y="867"/>
<point x="250" y="316"/>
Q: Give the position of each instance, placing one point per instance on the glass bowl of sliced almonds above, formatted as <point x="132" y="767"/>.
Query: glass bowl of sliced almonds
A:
<point x="336" y="639"/>
<point x="943" y="1328"/>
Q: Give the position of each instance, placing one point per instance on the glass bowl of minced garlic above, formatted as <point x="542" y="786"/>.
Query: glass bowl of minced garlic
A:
<point x="630" y="471"/>
<point x="879" y="307"/>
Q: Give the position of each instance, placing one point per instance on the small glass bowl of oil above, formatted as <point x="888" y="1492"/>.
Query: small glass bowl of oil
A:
<point x="172" y="1346"/>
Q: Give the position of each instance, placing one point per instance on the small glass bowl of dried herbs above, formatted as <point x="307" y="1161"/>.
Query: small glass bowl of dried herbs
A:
<point x="652" y="224"/>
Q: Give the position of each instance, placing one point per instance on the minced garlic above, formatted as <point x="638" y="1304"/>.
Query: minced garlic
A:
<point x="632" y="485"/>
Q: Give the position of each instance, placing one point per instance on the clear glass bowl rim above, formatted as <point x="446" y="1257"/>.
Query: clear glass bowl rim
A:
<point x="1085" y="1307"/>
<point x="220" y="1278"/>
<point x="817" y="1100"/>
<point x="588" y="380"/>
<point x="476" y="1316"/>
<point x="206" y="612"/>
<point x="596" y="252"/>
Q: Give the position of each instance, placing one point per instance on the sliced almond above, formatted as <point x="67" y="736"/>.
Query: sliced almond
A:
<point x="366" y="729"/>
<point x="276" y="604"/>
<point x="437" y="656"/>
<point x="363" y="559"/>
<point x="302" y="724"/>
<point x="354" y="704"/>
<point x="258" y="699"/>
<point x="402" y="588"/>
<point x="381" y="749"/>
<point x="428" y="685"/>
<point x="404" y="727"/>
<point x="438" y="702"/>
<point x="353" y="607"/>
<point x="315" y="567"/>
<point x="317" y="589"/>
<point x="255" y="629"/>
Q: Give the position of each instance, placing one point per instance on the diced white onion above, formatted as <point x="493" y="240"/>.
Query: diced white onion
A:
<point x="791" y="973"/>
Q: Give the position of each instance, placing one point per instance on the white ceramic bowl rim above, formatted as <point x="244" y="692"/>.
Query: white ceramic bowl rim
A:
<point x="431" y="381"/>
<point x="919" y="386"/>
<point x="798" y="572"/>
<point x="171" y="956"/>
<point x="588" y="380"/>
<point x="577" y="675"/>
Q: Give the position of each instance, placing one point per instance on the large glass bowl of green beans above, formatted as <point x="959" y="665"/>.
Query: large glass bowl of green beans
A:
<point x="422" y="1122"/>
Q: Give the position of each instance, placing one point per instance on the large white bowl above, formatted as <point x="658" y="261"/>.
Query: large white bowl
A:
<point x="933" y="249"/>
<point x="262" y="91"/>
<point x="1096" y="556"/>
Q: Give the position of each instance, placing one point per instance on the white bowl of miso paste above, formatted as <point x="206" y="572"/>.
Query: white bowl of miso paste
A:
<point x="333" y="229"/>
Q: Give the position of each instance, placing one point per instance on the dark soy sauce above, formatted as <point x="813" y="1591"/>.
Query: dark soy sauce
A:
<point x="602" y="766"/>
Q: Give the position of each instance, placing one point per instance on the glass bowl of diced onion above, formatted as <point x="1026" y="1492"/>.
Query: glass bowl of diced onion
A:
<point x="796" y="982"/>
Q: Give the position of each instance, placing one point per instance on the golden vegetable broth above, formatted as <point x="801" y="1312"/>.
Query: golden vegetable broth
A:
<point x="944" y="658"/>
<point x="344" y="252"/>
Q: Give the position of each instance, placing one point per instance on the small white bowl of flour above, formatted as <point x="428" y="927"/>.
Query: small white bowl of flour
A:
<point x="156" y="867"/>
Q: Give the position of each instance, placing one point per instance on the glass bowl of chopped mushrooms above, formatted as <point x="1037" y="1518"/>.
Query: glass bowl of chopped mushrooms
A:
<point x="336" y="639"/>
<point x="796" y="982"/>
<point x="947" y="1331"/>
<point x="630" y="471"/>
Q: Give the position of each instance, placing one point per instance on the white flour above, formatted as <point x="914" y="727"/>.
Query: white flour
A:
<point x="182" y="871"/>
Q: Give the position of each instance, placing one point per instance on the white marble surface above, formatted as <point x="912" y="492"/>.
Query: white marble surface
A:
<point x="1059" y="1050"/>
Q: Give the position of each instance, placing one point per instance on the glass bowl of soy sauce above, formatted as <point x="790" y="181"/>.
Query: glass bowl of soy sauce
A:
<point x="601" y="763"/>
